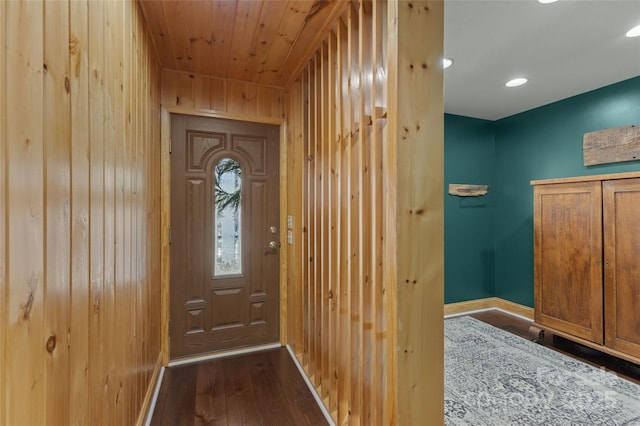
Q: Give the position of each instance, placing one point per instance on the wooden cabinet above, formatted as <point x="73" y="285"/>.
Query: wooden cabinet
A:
<point x="587" y="261"/>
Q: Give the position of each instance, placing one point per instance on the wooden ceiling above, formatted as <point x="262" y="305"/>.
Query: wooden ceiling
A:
<point x="261" y="41"/>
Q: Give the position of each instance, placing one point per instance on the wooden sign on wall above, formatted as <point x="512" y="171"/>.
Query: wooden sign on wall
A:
<point x="612" y="145"/>
<point x="465" y="190"/>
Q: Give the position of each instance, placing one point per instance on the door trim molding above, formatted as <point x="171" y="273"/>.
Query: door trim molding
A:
<point x="165" y="215"/>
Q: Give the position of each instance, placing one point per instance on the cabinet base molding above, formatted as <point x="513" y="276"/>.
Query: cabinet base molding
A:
<point x="589" y="344"/>
<point x="488" y="304"/>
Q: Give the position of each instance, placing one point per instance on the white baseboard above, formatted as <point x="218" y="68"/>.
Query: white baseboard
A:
<point x="223" y="354"/>
<point x="311" y="388"/>
<point x="154" y="399"/>
<point x="151" y="396"/>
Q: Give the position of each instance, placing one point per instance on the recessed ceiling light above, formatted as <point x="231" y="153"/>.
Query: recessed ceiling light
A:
<point x="516" y="82"/>
<point x="446" y="63"/>
<point x="547" y="1"/>
<point x="634" y="32"/>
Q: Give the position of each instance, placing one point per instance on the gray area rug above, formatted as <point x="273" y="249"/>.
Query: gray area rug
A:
<point x="495" y="378"/>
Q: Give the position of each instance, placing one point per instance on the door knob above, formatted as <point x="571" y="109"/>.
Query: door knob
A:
<point x="272" y="245"/>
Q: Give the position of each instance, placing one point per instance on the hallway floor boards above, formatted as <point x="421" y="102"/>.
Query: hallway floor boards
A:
<point x="260" y="388"/>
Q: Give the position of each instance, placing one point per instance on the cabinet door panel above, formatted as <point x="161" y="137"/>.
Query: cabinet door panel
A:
<point x="567" y="263"/>
<point x="622" y="265"/>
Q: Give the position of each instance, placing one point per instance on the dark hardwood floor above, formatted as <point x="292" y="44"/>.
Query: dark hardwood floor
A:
<point x="261" y="388"/>
<point x="265" y="388"/>
<point x="520" y="327"/>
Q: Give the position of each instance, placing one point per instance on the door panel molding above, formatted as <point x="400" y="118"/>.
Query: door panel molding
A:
<point x="213" y="264"/>
<point x="165" y="203"/>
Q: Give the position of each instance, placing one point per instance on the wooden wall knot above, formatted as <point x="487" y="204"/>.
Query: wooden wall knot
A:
<point x="51" y="343"/>
<point x="26" y="308"/>
<point x="73" y="45"/>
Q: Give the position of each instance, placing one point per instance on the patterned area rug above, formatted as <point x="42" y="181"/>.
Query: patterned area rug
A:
<point x="496" y="378"/>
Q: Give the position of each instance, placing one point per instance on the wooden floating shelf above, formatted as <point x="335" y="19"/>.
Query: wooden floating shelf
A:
<point x="464" y="190"/>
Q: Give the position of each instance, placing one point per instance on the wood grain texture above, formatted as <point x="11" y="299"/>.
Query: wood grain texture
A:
<point x="621" y="265"/>
<point x="57" y="190"/>
<point x="3" y="209"/>
<point x="80" y="211"/>
<point x="294" y="209"/>
<point x="611" y="146"/>
<point x="165" y="218"/>
<point x="415" y="195"/>
<point x="568" y="258"/>
<point x="465" y="190"/>
<point x="97" y="345"/>
<point x="266" y="42"/>
<point x="586" y="243"/>
<point x="258" y="388"/>
<point x="363" y="180"/>
<point x="209" y="94"/>
<point x="610" y="176"/>
<point x="24" y="363"/>
<point x="79" y="309"/>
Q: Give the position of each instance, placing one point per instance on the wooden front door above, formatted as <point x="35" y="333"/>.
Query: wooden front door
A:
<point x="225" y="235"/>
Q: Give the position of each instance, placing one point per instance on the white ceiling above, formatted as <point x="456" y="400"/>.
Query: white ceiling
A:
<point x="563" y="48"/>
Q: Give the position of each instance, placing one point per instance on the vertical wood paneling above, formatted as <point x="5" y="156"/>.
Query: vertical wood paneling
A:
<point x="415" y="190"/>
<point x="295" y="141"/>
<point x="304" y="218"/>
<point x="366" y="211"/>
<point x="325" y="225"/>
<point x="344" y="359"/>
<point x="332" y="207"/>
<point x="202" y="93"/>
<point x="80" y="199"/>
<point x="3" y="208"/>
<point x="378" y="103"/>
<point x="79" y="260"/>
<point x="97" y="206"/>
<point x="355" y="214"/>
<point x="25" y="359"/>
<point x="370" y="274"/>
<point x="314" y="325"/>
<point x="113" y="142"/>
<point x="57" y="195"/>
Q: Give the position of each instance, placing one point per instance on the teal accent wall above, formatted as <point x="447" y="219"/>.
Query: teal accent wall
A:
<point x="468" y="226"/>
<point x="543" y="143"/>
<point x="489" y="240"/>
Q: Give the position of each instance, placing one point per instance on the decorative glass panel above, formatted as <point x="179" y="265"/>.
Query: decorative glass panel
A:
<point x="228" y="230"/>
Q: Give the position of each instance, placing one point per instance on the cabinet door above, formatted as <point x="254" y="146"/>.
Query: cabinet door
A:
<point x="622" y="265"/>
<point x="567" y="260"/>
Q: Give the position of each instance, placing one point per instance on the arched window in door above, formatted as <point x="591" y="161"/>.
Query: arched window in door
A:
<point x="228" y="223"/>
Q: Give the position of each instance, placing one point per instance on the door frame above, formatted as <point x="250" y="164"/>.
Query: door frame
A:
<point x="165" y="219"/>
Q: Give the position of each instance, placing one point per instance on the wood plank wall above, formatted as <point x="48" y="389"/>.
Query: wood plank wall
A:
<point x="365" y="271"/>
<point x="198" y="94"/>
<point x="80" y="216"/>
